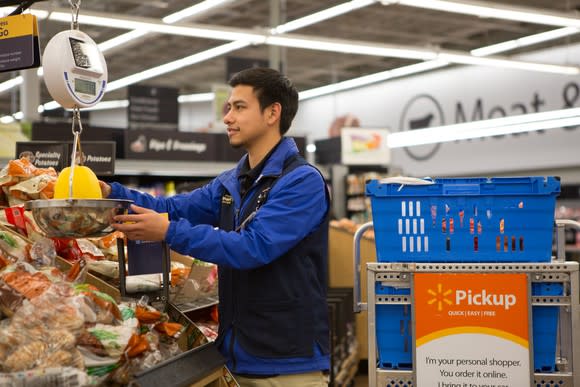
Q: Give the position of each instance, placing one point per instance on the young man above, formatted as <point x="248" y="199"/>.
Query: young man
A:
<point x="264" y="223"/>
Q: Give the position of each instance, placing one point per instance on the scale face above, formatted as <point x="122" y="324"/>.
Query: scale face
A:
<point x="75" y="72"/>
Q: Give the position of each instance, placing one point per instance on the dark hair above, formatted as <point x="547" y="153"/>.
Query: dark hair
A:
<point x="270" y="86"/>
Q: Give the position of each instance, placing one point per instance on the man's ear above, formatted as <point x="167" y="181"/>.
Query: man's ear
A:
<point x="273" y="112"/>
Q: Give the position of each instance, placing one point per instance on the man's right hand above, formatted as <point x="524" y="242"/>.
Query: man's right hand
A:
<point x="105" y="189"/>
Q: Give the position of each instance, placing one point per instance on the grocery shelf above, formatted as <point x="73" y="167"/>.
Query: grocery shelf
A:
<point x="165" y="168"/>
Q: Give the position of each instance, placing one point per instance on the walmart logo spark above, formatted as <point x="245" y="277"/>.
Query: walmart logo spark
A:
<point x="439" y="297"/>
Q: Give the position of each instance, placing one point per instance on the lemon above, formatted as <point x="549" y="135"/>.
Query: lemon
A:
<point x="85" y="184"/>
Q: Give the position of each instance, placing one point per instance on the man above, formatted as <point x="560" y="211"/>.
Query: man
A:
<point x="265" y="224"/>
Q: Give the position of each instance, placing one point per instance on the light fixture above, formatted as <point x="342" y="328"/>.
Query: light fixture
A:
<point x="310" y="148"/>
<point x="194" y="10"/>
<point x="486" y="128"/>
<point x="350" y="47"/>
<point x="188" y="12"/>
<point x="493" y="11"/>
<point x="306" y="42"/>
<point x="175" y="65"/>
<point x="7" y="120"/>
<point x="9" y="84"/>
<point x="40" y="14"/>
<point x="372" y="78"/>
<point x="109" y="105"/>
<point x="525" y="41"/>
<point x="321" y="15"/>
<point x="509" y="63"/>
<point x="199" y="97"/>
<point x="151" y="25"/>
<point x="119" y="40"/>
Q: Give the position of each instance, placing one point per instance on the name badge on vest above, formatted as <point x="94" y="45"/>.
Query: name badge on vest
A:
<point x="227" y="200"/>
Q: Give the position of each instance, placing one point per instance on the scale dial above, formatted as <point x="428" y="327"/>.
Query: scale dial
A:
<point x="75" y="71"/>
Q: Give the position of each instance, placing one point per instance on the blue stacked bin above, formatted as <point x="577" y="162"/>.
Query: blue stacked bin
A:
<point x="463" y="220"/>
<point x="545" y="327"/>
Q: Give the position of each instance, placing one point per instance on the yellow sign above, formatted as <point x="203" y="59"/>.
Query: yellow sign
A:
<point x="19" y="47"/>
<point x="18" y="25"/>
<point x="488" y="311"/>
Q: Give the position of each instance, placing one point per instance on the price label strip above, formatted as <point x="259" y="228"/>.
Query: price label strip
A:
<point x="19" y="46"/>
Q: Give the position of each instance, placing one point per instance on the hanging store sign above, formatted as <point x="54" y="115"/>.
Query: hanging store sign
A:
<point x="472" y="329"/>
<point x="153" y="108"/>
<point x="19" y="47"/>
<point x="99" y="156"/>
<point x="166" y="145"/>
<point x="364" y="146"/>
<point x="44" y="154"/>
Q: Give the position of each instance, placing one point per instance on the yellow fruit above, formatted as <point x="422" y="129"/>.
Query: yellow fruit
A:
<point x="85" y="184"/>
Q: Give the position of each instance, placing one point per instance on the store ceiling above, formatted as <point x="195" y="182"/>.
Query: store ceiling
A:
<point x="385" y="24"/>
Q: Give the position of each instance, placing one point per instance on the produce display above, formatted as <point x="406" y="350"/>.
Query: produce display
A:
<point x="52" y="319"/>
<point x="54" y="327"/>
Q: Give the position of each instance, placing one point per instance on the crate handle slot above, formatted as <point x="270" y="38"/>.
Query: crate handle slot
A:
<point x="461" y="189"/>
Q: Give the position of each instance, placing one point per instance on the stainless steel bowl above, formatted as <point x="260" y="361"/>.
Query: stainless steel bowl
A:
<point x="76" y="218"/>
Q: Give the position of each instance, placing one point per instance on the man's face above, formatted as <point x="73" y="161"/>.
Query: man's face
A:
<point x="245" y="122"/>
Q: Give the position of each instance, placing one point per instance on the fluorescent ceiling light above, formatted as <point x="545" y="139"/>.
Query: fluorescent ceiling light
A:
<point x="108" y="105"/>
<point x="360" y="48"/>
<point x="40" y="14"/>
<point x="177" y="64"/>
<point x="7" y="120"/>
<point x="9" y="84"/>
<point x="372" y="78"/>
<point x="509" y="63"/>
<point x="51" y="105"/>
<point x="200" y="97"/>
<point x="486" y="128"/>
<point x="525" y="41"/>
<point x="493" y="11"/>
<point x="322" y="15"/>
<point x="207" y="32"/>
<point x="169" y="19"/>
<point x="121" y="39"/>
<point x="194" y="10"/>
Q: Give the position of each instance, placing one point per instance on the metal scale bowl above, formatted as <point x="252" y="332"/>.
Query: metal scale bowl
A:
<point x="75" y="74"/>
<point x="76" y="218"/>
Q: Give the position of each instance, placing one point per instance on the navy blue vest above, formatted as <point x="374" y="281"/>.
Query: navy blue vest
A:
<point x="278" y="310"/>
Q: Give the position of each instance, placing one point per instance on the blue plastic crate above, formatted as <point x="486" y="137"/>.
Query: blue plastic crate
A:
<point x="545" y="327"/>
<point x="394" y="330"/>
<point x="465" y="220"/>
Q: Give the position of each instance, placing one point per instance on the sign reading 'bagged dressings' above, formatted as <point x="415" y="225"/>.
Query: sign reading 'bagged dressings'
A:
<point x="471" y="330"/>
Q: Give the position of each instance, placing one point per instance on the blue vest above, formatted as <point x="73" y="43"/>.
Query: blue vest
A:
<point x="278" y="310"/>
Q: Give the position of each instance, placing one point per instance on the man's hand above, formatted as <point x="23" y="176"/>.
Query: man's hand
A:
<point x="144" y="224"/>
<point x="105" y="189"/>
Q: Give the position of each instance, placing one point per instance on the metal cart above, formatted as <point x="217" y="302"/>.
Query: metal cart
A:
<point x="400" y="275"/>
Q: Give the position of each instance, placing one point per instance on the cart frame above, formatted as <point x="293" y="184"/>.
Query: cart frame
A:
<point x="401" y="274"/>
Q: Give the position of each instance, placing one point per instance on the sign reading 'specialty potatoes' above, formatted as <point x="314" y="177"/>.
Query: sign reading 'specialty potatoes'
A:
<point x="471" y="330"/>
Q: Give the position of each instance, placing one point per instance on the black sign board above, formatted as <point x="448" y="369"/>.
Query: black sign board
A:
<point x="228" y="153"/>
<point x="236" y="64"/>
<point x="153" y="108"/>
<point x="165" y="145"/>
<point x="144" y="257"/>
<point x="99" y="156"/>
<point x="19" y="46"/>
<point x="44" y="154"/>
<point x="62" y="132"/>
